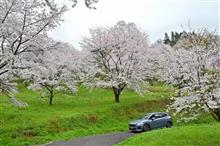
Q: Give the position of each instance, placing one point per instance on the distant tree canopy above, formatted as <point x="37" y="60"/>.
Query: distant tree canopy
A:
<point x="73" y="3"/>
<point x="172" y="39"/>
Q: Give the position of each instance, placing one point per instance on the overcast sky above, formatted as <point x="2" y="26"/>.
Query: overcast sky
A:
<point x="152" y="16"/>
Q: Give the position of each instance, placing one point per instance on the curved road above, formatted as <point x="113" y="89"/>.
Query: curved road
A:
<point x="96" y="140"/>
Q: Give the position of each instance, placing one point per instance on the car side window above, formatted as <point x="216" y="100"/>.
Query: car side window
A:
<point x="153" y="117"/>
<point x="160" y="115"/>
<point x="163" y="115"/>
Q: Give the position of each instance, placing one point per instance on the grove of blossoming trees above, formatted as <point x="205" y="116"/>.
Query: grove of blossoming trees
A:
<point x="115" y="57"/>
<point x="23" y="28"/>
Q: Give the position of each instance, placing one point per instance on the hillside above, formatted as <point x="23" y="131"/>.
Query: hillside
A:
<point x="86" y="113"/>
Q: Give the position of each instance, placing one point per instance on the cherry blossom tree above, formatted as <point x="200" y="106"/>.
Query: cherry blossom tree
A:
<point x="176" y="67"/>
<point x="198" y="38"/>
<point x="155" y="60"/>
<point x="23" y="24"/>
<point x="52" y="70"/>
<point x="194" y="65"/>
<point x="116" y="57"/>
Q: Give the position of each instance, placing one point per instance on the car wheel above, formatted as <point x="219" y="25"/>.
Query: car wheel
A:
<point x="168" y="124"/>
<point x="146" y="127"/>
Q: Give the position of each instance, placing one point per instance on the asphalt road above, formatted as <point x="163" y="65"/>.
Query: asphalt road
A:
<point x="96" y="140"/>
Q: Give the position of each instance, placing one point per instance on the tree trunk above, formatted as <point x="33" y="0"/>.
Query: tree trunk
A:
<point x="216" y="114"/>
<point x="179" y="86"/>
<point x="117" y="97"/>
<point x="51" y="95"/>
<point x="117" y="93"/>
<point x="50" y="89"/>
<point x="179" y="89"/>
<point x="51" y="100"/>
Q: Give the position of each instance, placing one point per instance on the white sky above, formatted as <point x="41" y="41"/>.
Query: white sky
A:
<point x="152" y="16"/>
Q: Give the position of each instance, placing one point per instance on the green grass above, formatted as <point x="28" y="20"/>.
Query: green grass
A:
<point x="187" y="135"/>
<point x="86" y="113"/>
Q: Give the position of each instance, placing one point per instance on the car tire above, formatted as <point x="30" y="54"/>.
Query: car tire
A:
<point x="146" y="127"/>
<point x="168" y="124"/>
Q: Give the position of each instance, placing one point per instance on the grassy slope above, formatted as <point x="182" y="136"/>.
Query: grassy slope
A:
<point x="72" y="116"/>
<point x="204" y="131"/>
<point x="187" y="135"/>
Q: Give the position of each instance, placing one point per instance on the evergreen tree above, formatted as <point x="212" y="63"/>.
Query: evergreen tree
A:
<point x="166" y="39"/>
<point x="175" y="36"/>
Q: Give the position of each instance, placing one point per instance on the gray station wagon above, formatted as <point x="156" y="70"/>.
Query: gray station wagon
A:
<point x="151" y="121"/>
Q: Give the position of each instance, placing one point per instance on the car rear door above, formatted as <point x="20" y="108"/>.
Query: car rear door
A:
<point x="155" y="121"/>
<point x="162" y="119"/>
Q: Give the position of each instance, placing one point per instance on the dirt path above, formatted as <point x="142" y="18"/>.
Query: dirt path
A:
<point x="97" y="140"/>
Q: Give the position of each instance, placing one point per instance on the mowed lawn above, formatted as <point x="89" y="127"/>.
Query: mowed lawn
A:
<point x="87" y="112"/>
<point x="187" y="135"/>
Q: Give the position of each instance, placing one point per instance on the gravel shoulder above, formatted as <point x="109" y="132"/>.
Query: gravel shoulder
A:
<point x="96" y="140"/>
